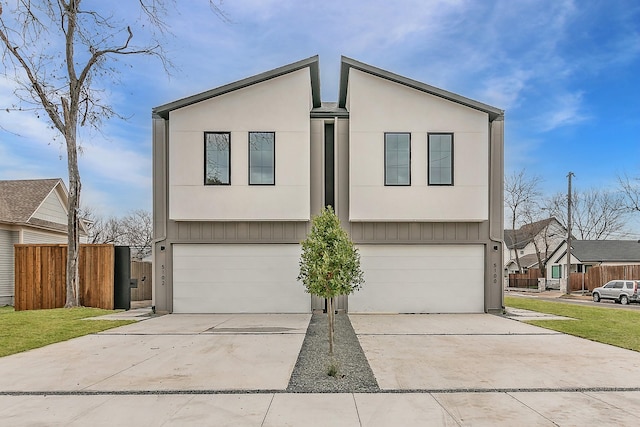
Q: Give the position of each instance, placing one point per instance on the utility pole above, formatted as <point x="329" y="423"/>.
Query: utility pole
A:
<point x="569" y="201"/>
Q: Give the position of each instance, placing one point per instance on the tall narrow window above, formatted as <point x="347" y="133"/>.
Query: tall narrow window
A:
<point x="262" y="149"/>
<point x="397" y="159"/>
<point x="440" y="159"/>
<point x="329" y="166"/>
<point x="217" y="155"/>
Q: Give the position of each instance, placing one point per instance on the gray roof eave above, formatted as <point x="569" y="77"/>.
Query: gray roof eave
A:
<point x="312" y="63"/>
<point x="347" y="63"/>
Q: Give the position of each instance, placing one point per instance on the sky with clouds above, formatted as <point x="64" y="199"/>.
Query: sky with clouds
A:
<point x="566" y="72"/>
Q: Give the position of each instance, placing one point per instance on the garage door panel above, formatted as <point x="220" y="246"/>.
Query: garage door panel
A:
<point x="421" y="279"/>
<point x="234" y="275"/>
<point x="236" y="261"/>
<point x="419" y="276"/>
<point x="238" y="279"/>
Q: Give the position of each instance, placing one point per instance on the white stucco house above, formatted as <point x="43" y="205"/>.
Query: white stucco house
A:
<point x="415" y="174"/>
<point x="31" y="211"/>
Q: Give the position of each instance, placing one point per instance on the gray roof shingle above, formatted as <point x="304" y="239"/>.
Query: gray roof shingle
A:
<point x="19" y="199"/>
<point x="521" y="237"/>
<point x="606" y="250"/>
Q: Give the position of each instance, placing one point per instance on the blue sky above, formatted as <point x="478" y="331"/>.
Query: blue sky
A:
<point x="566" y="72"/>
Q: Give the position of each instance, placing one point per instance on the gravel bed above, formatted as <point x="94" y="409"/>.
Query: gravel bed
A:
<point x="310" y="375"/>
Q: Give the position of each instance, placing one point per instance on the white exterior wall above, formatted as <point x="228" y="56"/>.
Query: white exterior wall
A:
<point x="281" y="105"/>
<point x="377" y="106"/>
<point x="32" y="236"/>
<point x="52" y="210"/>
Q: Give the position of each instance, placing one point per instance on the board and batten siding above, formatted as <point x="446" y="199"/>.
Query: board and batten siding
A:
<point x="52" y="210"/>
<point x="7" y="239"/>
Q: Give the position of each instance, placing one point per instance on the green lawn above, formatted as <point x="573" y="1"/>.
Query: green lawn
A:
<point x="25" y="330"/>
<point x="610" y="326"/>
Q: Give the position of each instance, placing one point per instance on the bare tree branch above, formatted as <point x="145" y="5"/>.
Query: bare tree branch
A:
<point x="55" y="52"/>
<point x="133" y="230"/>
<point x="521" y="193"/>
<point x="631" y="192"/>
<point x="596" y="214"/>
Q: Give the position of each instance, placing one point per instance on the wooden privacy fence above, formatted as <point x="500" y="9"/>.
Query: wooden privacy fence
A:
<point x="527" y="280"/>
<point x="598" y="276"/>
<point x="40" y="276"/>
<point x="141" y="271"/>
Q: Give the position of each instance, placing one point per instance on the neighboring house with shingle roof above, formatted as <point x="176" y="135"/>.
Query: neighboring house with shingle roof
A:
<point x="31" y="211"/>
<point x="525" y="243"/>
<point x="590" y="253"/>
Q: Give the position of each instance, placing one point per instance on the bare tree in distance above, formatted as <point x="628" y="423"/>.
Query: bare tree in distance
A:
<point x="101" y="229"/>
<point x="596" y="214"/>
<point x="521" y="195"/>
<point x="542" y="233"/>
<point x="58" y="55"/>
<point x="138" y="232"/>
<point x="133" y="230"/>
<point x="631" y="192"/>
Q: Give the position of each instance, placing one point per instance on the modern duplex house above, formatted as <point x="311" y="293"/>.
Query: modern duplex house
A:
<point x="415" y="174"/>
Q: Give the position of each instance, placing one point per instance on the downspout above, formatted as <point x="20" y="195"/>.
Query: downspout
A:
<point x="336" y="186"/>
<point x="493" y="236"/>
<point x="165" y="180"/>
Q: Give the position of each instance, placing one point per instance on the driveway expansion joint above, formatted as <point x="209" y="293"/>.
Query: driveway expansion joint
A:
<point x="285" y="391"/>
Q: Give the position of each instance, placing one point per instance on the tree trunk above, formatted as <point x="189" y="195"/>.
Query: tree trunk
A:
<point x="330" y="321"/>
<point x="73" y="239"/>
<point x="333" y="314"/>
<point x="515" y="243"/>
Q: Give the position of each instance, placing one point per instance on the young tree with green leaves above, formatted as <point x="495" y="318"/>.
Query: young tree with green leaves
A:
<point x="330" y="263"/>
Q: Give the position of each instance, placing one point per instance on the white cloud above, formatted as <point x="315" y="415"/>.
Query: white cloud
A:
<point x="505" y="92"/>
<point x="566" y="109"/>
<point x="113" y="161"/>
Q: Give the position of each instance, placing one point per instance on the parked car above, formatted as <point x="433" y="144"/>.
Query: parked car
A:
<point x="622" y="291"/>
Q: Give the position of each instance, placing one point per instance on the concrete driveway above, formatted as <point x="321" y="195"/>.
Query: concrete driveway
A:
<point x="234" y="369"/>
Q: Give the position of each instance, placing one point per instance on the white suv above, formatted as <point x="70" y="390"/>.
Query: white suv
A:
<point x="622" y="291"/>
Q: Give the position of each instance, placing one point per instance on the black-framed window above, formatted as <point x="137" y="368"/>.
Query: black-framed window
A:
<point x="397" y="158"/>
<point x="262" y="158"/>
<point x="440" y="159"/>
<point x="217" y="158"/>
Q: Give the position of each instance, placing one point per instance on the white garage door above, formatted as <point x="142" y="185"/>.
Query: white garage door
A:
<point x="238" y="279"/>
<point x="420" y="279"/>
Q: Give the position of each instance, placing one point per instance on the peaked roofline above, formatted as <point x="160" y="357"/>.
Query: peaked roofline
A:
<point x="65" y="194"/>
<point x="347" y="63"/>
<point x="312" y="63"/>
<point x="23" y="206"/>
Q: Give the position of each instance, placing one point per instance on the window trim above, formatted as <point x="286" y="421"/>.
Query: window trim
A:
<point x="205" y="156"/>
<point x="249" y="157"/>
<point x="386" y="184"/>
<point x="429" y="159"/>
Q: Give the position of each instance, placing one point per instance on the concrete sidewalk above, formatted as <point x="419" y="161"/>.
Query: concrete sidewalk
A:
<point x="183" y="370"/>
